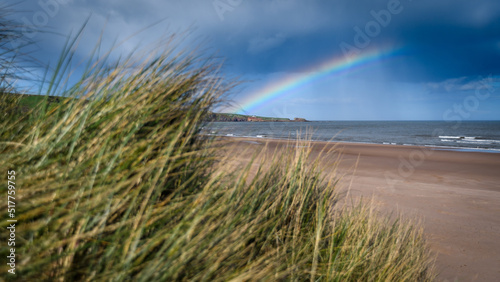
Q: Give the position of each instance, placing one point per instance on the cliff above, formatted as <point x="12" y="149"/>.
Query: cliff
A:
<point x="226" y="117"/>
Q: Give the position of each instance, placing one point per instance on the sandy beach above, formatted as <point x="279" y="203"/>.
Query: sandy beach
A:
<point x="456" y="195"/>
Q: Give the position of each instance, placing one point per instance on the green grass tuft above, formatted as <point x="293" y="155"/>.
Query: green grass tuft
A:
<point x="116" y="183"/>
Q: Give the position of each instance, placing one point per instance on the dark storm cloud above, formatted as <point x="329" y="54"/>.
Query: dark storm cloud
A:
<point x="442" y="39"/>
<point x="439" y="39"/>
<point x="446" y="49"/>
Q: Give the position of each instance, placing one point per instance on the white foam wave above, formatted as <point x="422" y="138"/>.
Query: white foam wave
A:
<point x="468" y="140"/>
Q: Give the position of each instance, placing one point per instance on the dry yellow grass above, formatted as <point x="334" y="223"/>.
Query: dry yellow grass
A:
<point x="116" y="183"/>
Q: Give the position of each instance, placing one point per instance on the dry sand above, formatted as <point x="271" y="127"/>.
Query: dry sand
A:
<point x="455" y="194"/>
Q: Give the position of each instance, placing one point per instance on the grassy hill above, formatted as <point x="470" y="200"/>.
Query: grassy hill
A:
<point x="22" y="103"/>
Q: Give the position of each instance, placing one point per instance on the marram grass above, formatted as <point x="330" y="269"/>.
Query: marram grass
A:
<point x="116" y="183"/>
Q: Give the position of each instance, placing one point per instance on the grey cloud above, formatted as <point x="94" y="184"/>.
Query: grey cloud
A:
<point x="463" y="84"/>
<point x="260" y="43"/>
<point x="453" y="38"/>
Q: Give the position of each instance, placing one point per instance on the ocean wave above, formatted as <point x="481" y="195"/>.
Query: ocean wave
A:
<point x="460" y="137"/>
<point x="468" y="140"/>
<point x="451" y="137"/>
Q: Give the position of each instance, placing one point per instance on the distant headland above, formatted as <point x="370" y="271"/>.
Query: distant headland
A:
<point x="226" y="117"/>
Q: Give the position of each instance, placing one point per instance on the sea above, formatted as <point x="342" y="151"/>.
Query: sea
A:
<point x="483" y="136"/>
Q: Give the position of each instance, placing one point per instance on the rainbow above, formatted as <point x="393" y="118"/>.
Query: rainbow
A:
<point x="333" y="66"/>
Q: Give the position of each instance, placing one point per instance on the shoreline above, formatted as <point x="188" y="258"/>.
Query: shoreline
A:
<point x="433" y="147"/>
<point x="456" y="195"/>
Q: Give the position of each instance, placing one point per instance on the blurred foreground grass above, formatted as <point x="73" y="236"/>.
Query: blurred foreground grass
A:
<point x="118" y="184"/>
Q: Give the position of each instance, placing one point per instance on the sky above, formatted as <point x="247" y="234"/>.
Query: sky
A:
<point x="318" y="59"/>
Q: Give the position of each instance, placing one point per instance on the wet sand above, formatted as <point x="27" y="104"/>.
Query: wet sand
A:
<point x="455" y="194"/>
